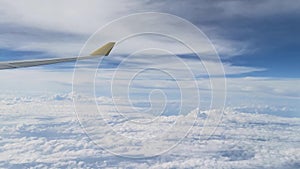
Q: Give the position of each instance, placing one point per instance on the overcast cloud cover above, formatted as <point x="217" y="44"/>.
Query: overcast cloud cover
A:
<point x="258" y="44"/>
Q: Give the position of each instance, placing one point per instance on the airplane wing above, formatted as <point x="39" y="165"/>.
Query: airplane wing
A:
<point x="102" y="51"/>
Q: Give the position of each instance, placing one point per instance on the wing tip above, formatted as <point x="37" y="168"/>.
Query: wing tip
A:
<point x="104" y="50"/>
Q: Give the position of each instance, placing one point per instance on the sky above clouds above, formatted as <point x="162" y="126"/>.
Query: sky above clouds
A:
<point x="248" y="65"/>
<point x="259" y="33"/>
<point x="257" y="39"/>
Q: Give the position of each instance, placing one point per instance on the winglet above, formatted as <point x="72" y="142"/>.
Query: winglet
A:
<point x="104" y="50"/>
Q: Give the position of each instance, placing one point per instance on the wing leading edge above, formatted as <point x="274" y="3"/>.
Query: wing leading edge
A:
<point x="102" y="51"/>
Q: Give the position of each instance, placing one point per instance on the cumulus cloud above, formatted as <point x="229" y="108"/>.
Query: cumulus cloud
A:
<point x="47" y="134"/>
<point x="41" y="130"/>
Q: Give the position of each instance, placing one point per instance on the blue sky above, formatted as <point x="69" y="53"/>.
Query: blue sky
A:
<point x="189" y="84"/>
<point x="267" y="31"/>
<point x="257" y="41"/>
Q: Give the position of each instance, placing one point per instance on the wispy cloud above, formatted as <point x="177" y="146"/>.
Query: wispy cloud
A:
<point x="62" y="29"/>
<point x="138" y="88"/>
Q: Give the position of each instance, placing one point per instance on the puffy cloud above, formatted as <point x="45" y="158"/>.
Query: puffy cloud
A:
<point x="43" y="131"/>
<point x="47" y="134"/>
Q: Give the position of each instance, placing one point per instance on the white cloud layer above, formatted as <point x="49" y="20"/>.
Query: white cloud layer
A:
<point x="246" y="91"/>
<point x="44" y="132"/>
